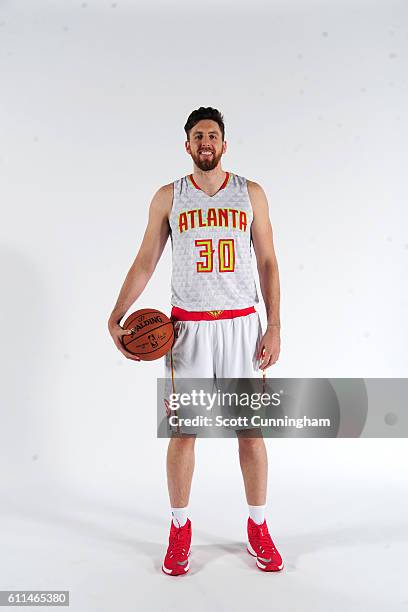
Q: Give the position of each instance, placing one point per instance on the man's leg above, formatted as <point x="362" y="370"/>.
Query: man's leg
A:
<point x="254" y="466"/>
<point x="180" y="468"/>
<point x="242" y="337"/>
<point x="191" y="339"/>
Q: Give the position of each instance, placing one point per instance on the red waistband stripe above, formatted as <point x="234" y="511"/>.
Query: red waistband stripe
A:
<point x="179" y="314"/>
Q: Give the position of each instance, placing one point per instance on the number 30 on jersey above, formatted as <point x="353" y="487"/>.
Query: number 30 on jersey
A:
<point x="225" y="255"/>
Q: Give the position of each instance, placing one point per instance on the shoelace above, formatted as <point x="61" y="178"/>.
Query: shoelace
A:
<point x="177" y="545"/>
<point x="264" y="541"/>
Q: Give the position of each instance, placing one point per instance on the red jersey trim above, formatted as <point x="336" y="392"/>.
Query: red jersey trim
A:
<point x="227" y="177"/>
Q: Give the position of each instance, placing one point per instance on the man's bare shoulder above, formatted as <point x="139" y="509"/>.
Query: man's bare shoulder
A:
<point x="257" y="196"/>
<point x="254" y="189"/>
<point x="166" y="190"/>
<point x="163" y="198"/>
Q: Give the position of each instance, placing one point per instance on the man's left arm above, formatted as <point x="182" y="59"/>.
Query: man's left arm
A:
<point x="262" y="238"/>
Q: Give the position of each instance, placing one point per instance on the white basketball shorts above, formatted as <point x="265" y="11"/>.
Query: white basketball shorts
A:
<point x="220" y="348"/>
<point x="214" y="348"/>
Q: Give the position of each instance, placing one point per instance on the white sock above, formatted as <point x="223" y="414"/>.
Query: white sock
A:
<point x="257" y="513"/>
<point x="180" y="516"/>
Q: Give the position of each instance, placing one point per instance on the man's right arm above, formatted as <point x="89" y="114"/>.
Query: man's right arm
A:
<point x="151" y="249"/>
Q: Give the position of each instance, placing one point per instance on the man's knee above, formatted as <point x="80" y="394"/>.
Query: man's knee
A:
<point x="182" y="440"/>
<point x="249" y="441"/>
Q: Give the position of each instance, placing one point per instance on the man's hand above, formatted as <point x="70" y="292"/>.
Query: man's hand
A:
<point x="116" y="331"/>
<point x="269" y="348"/>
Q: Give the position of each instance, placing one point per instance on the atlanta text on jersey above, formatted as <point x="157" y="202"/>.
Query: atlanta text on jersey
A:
<point x="213" y="217"/>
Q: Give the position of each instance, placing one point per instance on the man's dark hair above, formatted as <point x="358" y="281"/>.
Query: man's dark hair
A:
<point x="204" y="113"/>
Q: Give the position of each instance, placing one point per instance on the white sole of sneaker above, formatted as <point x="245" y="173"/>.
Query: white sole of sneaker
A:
<point x="259" y="564"/>
<point x="169" y="572"/>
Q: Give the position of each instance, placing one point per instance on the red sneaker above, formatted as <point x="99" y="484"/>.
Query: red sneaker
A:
<point x="261" y="546"/>
<point x="176" y="560"/>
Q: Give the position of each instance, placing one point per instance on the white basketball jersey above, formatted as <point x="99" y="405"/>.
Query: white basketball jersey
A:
<point x="211" y="243"/>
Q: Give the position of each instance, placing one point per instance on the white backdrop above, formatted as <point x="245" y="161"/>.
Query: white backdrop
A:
<point x="94" y="99"/>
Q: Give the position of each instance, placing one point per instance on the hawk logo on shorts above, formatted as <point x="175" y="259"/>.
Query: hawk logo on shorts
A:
<point x="215" y="313"/>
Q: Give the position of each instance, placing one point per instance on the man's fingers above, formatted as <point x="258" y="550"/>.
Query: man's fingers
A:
<point x="130" y="356"/>
<point x="272" y="359"/>
<point x="124" y="332"/>
<point x="265" y="359"/>
<point x="126" y="353"/>
<point x="266" y="362"/>
<point x="270" y="362"/>
<point x="269" y="358"/>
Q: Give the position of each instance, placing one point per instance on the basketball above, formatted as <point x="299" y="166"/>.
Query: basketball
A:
<point x="152" y="334"/>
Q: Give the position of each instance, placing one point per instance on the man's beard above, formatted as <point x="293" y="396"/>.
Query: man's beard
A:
<point x="205" y="164"/>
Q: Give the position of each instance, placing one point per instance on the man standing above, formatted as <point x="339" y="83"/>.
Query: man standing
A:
<point x="212" y="217"/>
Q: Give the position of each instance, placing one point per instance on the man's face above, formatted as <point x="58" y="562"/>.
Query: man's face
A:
<point x="205" y="145"/>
